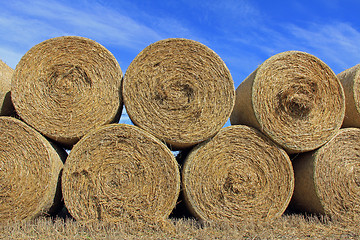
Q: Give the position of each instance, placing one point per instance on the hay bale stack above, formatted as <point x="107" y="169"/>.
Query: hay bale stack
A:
<point x="238" y="175"/>
<point x="120" y="172"/>
<point x="6" y="107"/>
<point x="66" y="86"/>
<point x="294" y="98"/>
<point x="29" y="172"/>
<point x="350" y="80"/>
<point x="327" y="181"/>
<point x="180" y="91"/>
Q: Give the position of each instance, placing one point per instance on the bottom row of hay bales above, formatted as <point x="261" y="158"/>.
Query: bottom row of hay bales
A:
<point x="119" y="172"/>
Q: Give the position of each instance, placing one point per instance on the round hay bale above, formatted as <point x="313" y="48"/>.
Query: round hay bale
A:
<point x="294" y="98"/>
<point x="327" y="181"/>
<point x="180" y="91"/>
<point x="237" y="175"/>
<point x="120" y="172"/>
<point x="29" y="172"/>
<point x="350" y="80"/>
<point x="6" y="107"/>
<point x="66" y="86"/>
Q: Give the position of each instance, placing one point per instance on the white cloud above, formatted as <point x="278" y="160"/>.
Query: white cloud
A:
<point x="239" y="9"/>
<point x="24" y="24"/>
<point x="337" y="43"/>
<point x="94" y="21"/>
<point x="229" y="12"/>
<point x="10" y="57"/>
<point x="24" y="32"/>
<point x="240" y="32"/>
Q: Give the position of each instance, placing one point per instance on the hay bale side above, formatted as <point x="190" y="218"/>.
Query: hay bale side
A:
<point x="327" y="181"/>
<point x="29" y="172"/>
<point x="66" y="86"/>
<point x="294" y="98"/>
<point x="180" y="91"/>
<point x="120" y="172"/>
<point x="350" y="80"/>
<point x="237" y="175"/>
<point x="6" y="107"/>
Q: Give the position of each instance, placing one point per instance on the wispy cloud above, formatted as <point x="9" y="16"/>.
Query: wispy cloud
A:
<point x="247" y="35"/>
<point x="227" y="12"/>
<point x="238" y="30"/>
<point x="234" y="9"/>
<point x="337" y="42"/>
<point x="10" y="56"/>
<point x="24" y="24"/>
<point x="95" y="21"/>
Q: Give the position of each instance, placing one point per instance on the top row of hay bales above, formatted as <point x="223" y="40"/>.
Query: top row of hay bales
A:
<point x="66" y="86"/>
<point x="181" y="92"/>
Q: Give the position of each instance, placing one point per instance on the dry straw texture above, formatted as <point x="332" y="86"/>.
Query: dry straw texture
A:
<point x="29" y="172"/>
<point x="237" y="175"/>
<point x="327" y="181"/>
<point x="294" y="98"/>
<point x="287" y="227"/>
<point x="6" y="72"/>
<point x="350" y="80"/>
<point x="180" y="91"/>
<point x="65" y="86"/>
<point x="120" y="172"/>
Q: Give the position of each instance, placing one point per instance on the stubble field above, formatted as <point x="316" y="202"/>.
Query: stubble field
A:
<point x="289" y="226"/>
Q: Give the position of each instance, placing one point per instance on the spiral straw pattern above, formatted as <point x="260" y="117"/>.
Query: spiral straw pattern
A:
<point x="66" y="86"/>
<point x="120" y="172"/>
<point x="294" y="98"/>
<point x="29" y="172"/>
<point x="180" y="91"/>
<point x="239" y="174"/>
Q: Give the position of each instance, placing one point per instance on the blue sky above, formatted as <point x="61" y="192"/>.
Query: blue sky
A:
<point x="243" y="33"/>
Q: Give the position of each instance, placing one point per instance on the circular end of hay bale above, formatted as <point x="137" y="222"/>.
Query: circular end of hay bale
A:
<point x="6" y="107"/>
<point x="335" y="169"/>
<point x="119" y="172"/>
<point x="350" y="80"/>
<point x="237" y="175"/>
<point x="179" y="90"/>
<point x="29" y="172"/>
<point x="297" y="101"/>
<point x="66" y="86"/>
